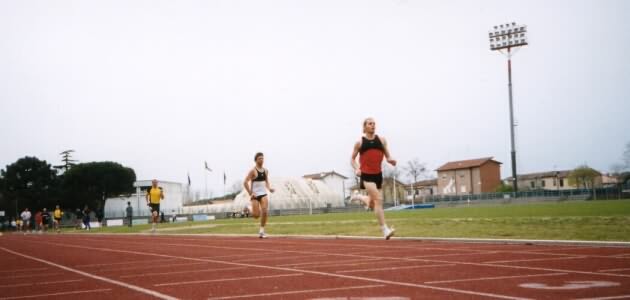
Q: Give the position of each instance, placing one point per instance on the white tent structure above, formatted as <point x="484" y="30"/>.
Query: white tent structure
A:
<point x="291" y="193"/>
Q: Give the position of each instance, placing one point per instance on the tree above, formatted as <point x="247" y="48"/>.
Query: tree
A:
<point x="415" y="169"/>
<point x="29" y="182"/>
<point x="92" y="183"/>
<point x="66" y="158"/>
<point x="583" y="176"/>
<point x="504" y="188"/>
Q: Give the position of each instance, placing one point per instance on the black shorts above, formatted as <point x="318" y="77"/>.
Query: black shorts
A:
<point x="375" y="178"/>
<point x="259" y="198"/>
<point x="58" y="220"/>
<point x="155" y="207"/>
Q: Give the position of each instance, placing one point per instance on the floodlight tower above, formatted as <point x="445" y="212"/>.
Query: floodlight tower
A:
<point x="508" y="36"/>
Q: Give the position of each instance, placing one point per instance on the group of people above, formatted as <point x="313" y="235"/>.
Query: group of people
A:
<point x="371" y="150"/>
<point x="42" y="220"/>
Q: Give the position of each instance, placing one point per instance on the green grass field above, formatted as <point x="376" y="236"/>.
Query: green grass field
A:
<point x="571" y="220"/>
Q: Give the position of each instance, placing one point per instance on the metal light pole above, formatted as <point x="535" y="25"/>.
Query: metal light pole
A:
<point x="508" y="36"/>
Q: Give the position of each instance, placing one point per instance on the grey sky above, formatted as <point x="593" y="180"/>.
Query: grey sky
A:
<point x="161" y="86"/>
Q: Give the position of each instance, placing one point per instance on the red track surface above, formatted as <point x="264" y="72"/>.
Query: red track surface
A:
<point x="170" y="267"/>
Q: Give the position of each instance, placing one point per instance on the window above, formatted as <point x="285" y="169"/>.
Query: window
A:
<point x="555" y="182"/>
<point x="532" y="184"/>
<point x="542" y="183"/>
<point x="561" y="182"/>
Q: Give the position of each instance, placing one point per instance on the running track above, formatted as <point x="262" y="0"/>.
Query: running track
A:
<point x="201" y="267"/>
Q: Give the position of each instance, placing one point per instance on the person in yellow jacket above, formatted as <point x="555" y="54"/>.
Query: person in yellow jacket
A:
<point x="57" y="214"/>
<point x="155" y="194"/>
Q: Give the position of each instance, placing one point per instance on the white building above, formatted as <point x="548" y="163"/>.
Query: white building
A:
<point x="174" y="196"/>
<point x="335" y="181"/>
<point x="298" y="193"/>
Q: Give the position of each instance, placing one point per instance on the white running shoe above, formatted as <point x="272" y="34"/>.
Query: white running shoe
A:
<point x="388" y="233"/>
<point x="262" y="235"/>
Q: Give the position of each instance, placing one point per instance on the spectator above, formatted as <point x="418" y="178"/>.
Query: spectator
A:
<point x="13" y="224"/>
<point x="86" y="218"/>
<point x="57" y="218"/>
<point x="129" y="214"/>
<point x="38" y="221"/>
<point x="45" y="219"/>
<point x="26" y="219"/>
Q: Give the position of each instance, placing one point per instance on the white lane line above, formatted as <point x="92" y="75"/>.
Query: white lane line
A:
<point x="123" y="284"/>
<point x="453" y="254"/>
<point x="607" y="298"/>
<point x="299" y="292"/>
<point x="38" y="283"/>
<point x="331" y="262"/>
<point x="395" y="268"/>
<point x="227" y="279"/>
<point x="353" y="264"/>
<point x="124" y="263"/>
<point x="24" y="270"/>
<point x="531" y="259"/>
<point x="33" y="275"/>
<point x="278" y="258"/>
<point x="57" y="294"/>
<point x="182" y="272"/>
<point x="493" y="278"/>
<point x="406" y="284"/>
<point x="153" y="267"/>
<point x="615" y="270"/>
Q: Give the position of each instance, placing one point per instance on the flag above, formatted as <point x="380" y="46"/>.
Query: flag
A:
<point x="224" y="178"/>
<point x="206" y="166"/>
<point x="188" y="179"/>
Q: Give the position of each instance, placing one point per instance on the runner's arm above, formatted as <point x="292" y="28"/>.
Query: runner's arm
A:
<point x="388" y="156"/>
<point x="353" y="159"/>
<point x="267" y="182"/>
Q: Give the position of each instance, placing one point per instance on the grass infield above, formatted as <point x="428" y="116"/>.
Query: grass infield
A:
<point x="570" y="220"/>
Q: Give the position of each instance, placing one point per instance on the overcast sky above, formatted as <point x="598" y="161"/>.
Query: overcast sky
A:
<point x="162" y="86"/>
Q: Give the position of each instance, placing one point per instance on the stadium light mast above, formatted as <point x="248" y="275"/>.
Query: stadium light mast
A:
<point x="505" y="37"/>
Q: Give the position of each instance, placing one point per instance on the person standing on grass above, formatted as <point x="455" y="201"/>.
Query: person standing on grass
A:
<point x="57" y="214"/>
<point x="155" y="194"/>
<point x="26" y="220"/>
<point x="45" y="219"/>
<point x="38" y="221"/>
<point x="371" y="150"/>
<point x="256" y="184"/>
<point x="129" y="214"/>
<point x="86" y="217"/>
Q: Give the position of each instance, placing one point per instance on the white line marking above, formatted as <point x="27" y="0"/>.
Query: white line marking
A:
<point x="126" y="285"/>
<point x="607" y="298"/>
<point x="453" y="254"/>
<point x="615" y="270"/>
<point x="532" y="259"/>
<point x="362" y="298"/>
<point x="57" y="294"/>
<point x="279" y="258"/>
<point x="24" y="270"/>
<point x="570" y="285"/>
<point x="34" y="275"/>
<point x="395" y="268"/>
<point x="38" y="283"/>
<point x="153" y="267"/>
<point x="331" y="262"/>
<point x="182" y="272"/>
<point x="227" y="279"/>
<point x="125" y="263"/>
<point x="104" y="249"/>
<point x="493" y="278"/>
<point x="299" y="292"/>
